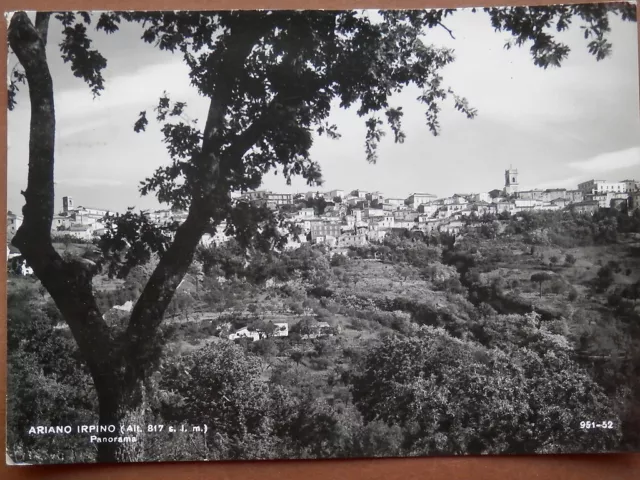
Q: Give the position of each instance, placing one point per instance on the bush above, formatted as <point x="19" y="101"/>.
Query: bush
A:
<point x="557" y="286"/>
<point x="339" y="260"/>
<point x="569" y="259"/>
<point x="402" y="378"/>
<point x="573" y="295"/>
<point x="319" y="363"/>
<point x="604" y="278"/>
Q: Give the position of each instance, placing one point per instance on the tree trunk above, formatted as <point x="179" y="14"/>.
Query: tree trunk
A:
<point x="68" y="282"/>
<point x="119" y="365"/>
<point x="122" y="405"/>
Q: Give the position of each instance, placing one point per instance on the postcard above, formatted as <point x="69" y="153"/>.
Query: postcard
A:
<point x="272" y="234"/>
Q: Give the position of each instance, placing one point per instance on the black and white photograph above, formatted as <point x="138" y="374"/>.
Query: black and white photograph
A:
<point x="313" y="234"/>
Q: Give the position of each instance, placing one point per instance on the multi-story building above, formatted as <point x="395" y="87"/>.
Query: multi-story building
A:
<point x="306" y="213"/>
<point x="480" y="197"/>
<point x="527" y="203"/>
<point x="452" y="226"/>
<point x="481" y="208"/>
<point x="60" y="222"/>
<point x="352" y="240"/>
<point x="604" y="198"/>
<point x="574" y="196"/>
<point x="275" y="200"/>
<point x="397" y="202"/>
<point x="336" y="193"/>
<point x="416" y="199"/>
<point x="269" y="199"/>
<point x="372" y="212"/>
<point x="81" y="215"/>
<point x="320" y="230"/>
<point x="375" y="197"/>
<point x="602" y="186"/>
<point x="377" y="235"/>
<point x="561" y="202"/>
<point x="502" y="207"/>
<point x="362" y="194"/>
<point x="632" y="185"/>
<point x="447" y="210"/>
<point x="589" y="207"/>
<point x="553" y="193"/>
<point x="404" y="216"/>
<point x="382" y="222"/>
<point x="428" y="208"/>
<point x="531" y="195"/>
<point x="407" y="225"/>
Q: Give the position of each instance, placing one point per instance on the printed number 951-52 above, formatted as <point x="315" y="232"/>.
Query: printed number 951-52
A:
<point x="588" y="425"/>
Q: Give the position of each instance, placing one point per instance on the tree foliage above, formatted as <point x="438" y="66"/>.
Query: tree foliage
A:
<point x="455" y="396"/>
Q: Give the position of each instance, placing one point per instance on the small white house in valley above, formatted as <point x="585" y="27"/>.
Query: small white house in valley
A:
<point x="244" y="332"/>
<point x="281" y="330"/>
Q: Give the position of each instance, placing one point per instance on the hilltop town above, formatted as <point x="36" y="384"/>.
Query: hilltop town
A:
<point x="342" y="219"/>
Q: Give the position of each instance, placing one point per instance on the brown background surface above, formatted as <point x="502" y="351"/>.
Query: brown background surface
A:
<point x="612" y="466"/>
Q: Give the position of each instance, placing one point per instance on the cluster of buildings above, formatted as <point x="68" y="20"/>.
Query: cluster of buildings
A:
<point x="357" y="217"/>
<point x="83" y="223"/>
<point x="87" y="223"/>
<point x="281" y="329"/>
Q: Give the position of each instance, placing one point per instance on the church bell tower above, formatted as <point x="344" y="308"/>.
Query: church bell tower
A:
<point x="510" y="181"/>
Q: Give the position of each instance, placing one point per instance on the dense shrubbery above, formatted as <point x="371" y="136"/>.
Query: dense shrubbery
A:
<point x="569" y="229"/>
<point x="433" y="341"/>
<point x="49" y="384"/>
<point x="455" y="396"/>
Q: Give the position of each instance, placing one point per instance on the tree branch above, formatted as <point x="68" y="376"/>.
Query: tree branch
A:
<point x="244" y="140"/>
<point x="29" y="47"/>
<point x="42" y="25"/>
<point x="69" y="283"/>
<point x="447" y="29"/>
<point x="147" y="314"/>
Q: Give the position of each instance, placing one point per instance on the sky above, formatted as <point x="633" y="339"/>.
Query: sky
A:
<point x="558" y="127"/>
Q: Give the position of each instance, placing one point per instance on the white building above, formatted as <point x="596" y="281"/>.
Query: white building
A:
<point x="604" y="198"/>
<point x="632" y="185"/>
<point x="603" y="186"/>
<point x="281" y="330"/>
<point x="361" y="194"/>
<point x="404" y="224"/>
<point x="416" y="199"/>
<point x="398" y="202"/>
<point x="60" y="222"/>
<point x="244" y="332"/>
<point x="373" y="212"/>
<point x="383" y="222"/>
<point x="480" y="197"/>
